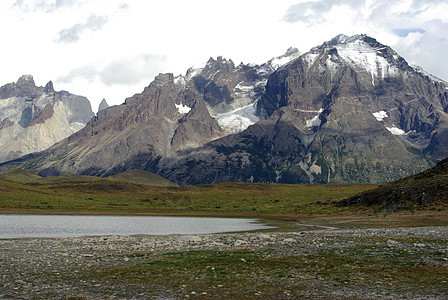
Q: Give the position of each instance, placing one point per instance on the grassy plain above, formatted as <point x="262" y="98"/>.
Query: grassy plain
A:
<point x="116" y="197"/>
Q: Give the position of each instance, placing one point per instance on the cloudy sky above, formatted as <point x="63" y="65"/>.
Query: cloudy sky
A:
<point x="113" y="48"/>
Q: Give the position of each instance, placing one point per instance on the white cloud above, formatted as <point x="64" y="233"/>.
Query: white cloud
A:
<point x="43" y="5"/>
<point x="73" y="34"/>
<point x="427" y="49"/>
<point x="126" y="71"/>
<point x="88" y="73"/>
<point x="312" y="12"/>
<point x="132" y="70"/>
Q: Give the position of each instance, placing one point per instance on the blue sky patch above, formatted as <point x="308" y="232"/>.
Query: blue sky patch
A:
<point x="403" y="32"/>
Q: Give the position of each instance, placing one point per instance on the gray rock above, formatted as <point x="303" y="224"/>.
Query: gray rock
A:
<point x="34" y="118"/>
<point x="103" y="105"/>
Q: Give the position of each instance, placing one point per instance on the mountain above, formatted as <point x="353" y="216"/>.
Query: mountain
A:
<point x="34" y="118"/>
<point x="103" y="105"/>
<point x="350" y="110"/>
<point x="423" y="189"/>
<point x="171" y="117"/>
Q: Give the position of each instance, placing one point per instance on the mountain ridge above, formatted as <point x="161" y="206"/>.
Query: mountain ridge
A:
<point x="350" y="110"/>
<point x="34" y="118"/>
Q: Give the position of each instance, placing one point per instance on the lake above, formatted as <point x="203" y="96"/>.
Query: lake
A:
<point x="29" y="226"/>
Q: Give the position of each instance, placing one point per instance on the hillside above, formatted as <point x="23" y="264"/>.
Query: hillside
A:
<point x="141" y="177"/>
<point x="425" y="189"/>
<point x="20" y="176"/>
<point x="133" y="176"/>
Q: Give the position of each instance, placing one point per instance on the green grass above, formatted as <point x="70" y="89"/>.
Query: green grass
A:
<point x="20" y="176"/>
<point x="132" y="176"/>
<point x="104" y="196"/>
<point x="142" y="177"/>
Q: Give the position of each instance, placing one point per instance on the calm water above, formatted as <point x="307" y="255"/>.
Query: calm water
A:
<point x="22" y="226"/>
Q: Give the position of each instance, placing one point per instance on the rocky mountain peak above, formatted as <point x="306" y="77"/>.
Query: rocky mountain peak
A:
<point x="49" y="87"/>
<point x="344" y="39"/>
<point x="216" y="68"/>
<point x="24" y="87"/>
<point x="290" y="52"/>
<point x="163" y="79"/>
<point x="33" y="118"/>
<point x="220" y="61"/>
<point x="103" y="105"/>
<point x="290" y="55"/>
<point x="361" y="53"/>
<point x="25" y="81"/>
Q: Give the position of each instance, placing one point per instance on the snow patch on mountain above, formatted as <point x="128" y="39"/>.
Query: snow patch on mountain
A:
<point x="238" y="119"/>
<point x="76" y="126"/>
<point x="310" y="58"/>
<point x="395" y="130"/>
<point x="380" y="116"/>
<point x="277" y="62"/>
<point x="362" y="55"/>
<point x="289" y="56"/>
<point x="182" y="109"/>
<point x="315" y="121"/>
<point x="180" y="80"/>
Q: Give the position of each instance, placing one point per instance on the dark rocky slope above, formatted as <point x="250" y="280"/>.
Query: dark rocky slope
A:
<point x="423" y="189"/>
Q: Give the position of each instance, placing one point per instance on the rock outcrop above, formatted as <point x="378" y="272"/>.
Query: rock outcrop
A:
<point x="103" y="105"/>
<point x="34" y="118"/>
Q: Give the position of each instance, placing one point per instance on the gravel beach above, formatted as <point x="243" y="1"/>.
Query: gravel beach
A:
<point x="105" y="267"/>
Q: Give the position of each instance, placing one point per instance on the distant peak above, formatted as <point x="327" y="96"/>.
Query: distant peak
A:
<point x="219" y="60"/>
<point x="290" y="55"/>
<point x="26" y="80"/>
<point x="343" y="39"/>
<point x="27" y="77"/>
<point x="163" y="79"/>
<point x="291" y="51"/>
<point x="103" y="105"/>
<point x="49" y="87"/>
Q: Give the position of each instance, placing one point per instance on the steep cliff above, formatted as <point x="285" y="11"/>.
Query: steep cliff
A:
<point x="34" y="118"/>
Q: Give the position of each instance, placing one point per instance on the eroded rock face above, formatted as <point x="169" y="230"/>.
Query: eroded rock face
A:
<point x="34" y="118"/>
